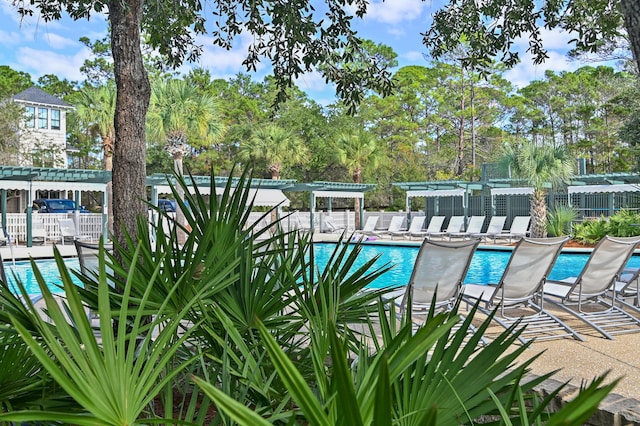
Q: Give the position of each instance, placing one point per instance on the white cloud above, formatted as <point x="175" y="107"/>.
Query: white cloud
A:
<point x="58" y="42"/>
<point x="414" y="56"/>
<point x="10" y="38"/>
<point x="556" y="42"/>
<point x="221" y="62"/>
<point x="312" y="82"/>
<point x="554" y="39"/>
<point x="525" y="72"/>
<point x="394" y="11"/>
<point x="40" y="62"/>
<point x="397" y="32"/>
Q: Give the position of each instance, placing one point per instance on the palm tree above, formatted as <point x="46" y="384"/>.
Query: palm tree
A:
<point x="542" y="167"/>
<point x="276" y="147"/>
<point x="357" y="151"/>
<point x="178" y="114"/>
<point x="95" y="110"/>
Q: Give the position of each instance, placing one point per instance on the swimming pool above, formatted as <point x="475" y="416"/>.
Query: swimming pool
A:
<point x="48" y="269"/>
<point x="486" y="266"/>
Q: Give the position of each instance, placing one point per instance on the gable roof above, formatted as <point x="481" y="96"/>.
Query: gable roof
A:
<point x="36" y="95"/>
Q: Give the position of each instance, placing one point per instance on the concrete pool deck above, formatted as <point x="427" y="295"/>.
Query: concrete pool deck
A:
<point x="577" y="362"/>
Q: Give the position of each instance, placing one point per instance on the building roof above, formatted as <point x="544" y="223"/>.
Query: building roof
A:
<point x="36" y="95"/>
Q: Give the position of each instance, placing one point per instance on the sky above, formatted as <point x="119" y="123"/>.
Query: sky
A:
<point x="38" y="48"/>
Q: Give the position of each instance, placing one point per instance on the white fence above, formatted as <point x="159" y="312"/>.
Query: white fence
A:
<point x="344" y="219"/>
<point x="90" y="224"/>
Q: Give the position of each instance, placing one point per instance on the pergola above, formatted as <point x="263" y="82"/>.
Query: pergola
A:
<point x="263" y="192"/>
<point x="32" y="179"/>
<point x="438" y="190"/>
<point x="330" y="190"/>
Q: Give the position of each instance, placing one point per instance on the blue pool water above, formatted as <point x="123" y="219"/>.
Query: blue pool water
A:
<point x="48" y="269"/>
<point x="486" y="266"/>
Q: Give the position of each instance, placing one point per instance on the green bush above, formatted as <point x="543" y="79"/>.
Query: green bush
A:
<point x="256" y="327"/>
<point x="560" y="220"/>
<point x="624" y="223"/>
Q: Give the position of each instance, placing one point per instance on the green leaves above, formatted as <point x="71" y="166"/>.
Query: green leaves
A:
<point x="114" y="378"/>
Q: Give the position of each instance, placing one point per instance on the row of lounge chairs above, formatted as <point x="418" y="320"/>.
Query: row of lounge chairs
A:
<point x="604" y="295"/>
<point x="519" y="228"/>
<point x="67" y="233"/>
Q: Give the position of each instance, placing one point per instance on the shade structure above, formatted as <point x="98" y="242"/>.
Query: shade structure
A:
<point x="437" y="193"/>
<point x="261" y="196"/>
<point x="37" y="185"/>
<point x="267" y="197"/>
<point x="597" y="189"/>
<point x="14" y="185"/>
<point x="512" y="191"/>
<point x="338" y="194"/>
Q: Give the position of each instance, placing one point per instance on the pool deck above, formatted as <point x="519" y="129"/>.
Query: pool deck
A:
<point x="577" y="362"/>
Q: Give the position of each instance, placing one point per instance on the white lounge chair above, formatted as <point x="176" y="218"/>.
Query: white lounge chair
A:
<point x="299" y="222"/>
<point x="494" y="228"/>
<point x="520" y="290"/>
<point x="414" y="227"/>
<point x="628" y="285"/>
<point x="435" y="225"/>
<point x="370" y="225"/>
<point x="68" y="231"/>
<point x="89" y="263"/>
<point x="439" y="270"/>
<point x="591" y="296"/>
<point x="519" y="228"/>
<point x="394" y="227"/>
<point x="473" y="227"/>
<point x="38" y="233"/>
<point x="455" y="225"/>
<point x="331" y="226"/>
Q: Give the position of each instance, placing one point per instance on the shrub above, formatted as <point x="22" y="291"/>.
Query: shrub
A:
<point x="268" y="335"/>
<point x="622" y="224"/>
<point x="560" y="220"/>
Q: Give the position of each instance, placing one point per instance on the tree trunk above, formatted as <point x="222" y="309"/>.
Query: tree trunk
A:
<point x="473" y="124"/>
<point x="357" y="177"/>
<point x="180" y="219"/>
<point x="108" y="166"/>
<point x="538" y="214"/>
<point x="132" y="102"/>
<point x="631" y="13"/>
<point x="460" y="159"/>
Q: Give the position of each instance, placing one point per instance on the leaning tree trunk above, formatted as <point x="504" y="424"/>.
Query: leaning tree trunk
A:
<point x="631" y="13"/>
<point x="132" y="102"/>
<point x="538" y="214"/>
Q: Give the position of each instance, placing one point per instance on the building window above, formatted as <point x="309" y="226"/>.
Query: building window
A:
<point x="55" y="119"/>
<point x="30" y="117"/>
<point x="43" y="118"/>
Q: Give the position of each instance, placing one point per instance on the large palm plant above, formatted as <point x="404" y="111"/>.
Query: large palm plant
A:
<point x="94" y="112"/>
<point x="357" y="151"/>
<point x="276" y="147"/>
<point x="179" y="114"/>
<point x="543" y="167"/>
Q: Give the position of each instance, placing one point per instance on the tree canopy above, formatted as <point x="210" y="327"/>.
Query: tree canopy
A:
<point x="491" y="27"/>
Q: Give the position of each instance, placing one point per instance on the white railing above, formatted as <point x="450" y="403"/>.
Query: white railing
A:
<point x="90" y="224"/>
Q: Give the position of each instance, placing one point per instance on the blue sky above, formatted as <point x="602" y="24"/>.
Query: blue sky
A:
<point x="39" y="48"/>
